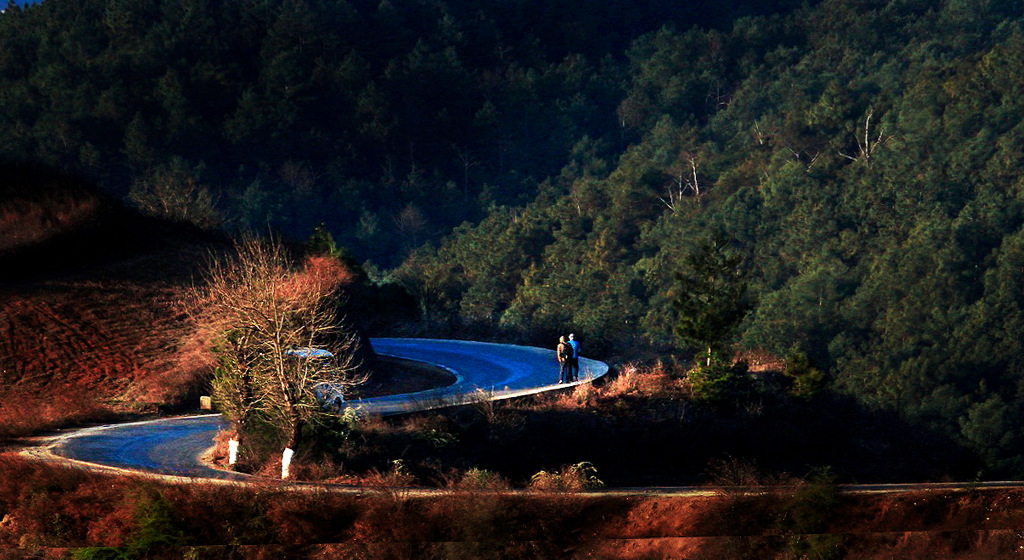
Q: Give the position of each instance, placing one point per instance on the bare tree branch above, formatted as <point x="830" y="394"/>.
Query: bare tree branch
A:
<point x="254" y="310"/>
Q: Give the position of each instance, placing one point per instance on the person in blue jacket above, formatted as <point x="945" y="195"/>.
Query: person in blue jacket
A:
<point x="574" y="364"/>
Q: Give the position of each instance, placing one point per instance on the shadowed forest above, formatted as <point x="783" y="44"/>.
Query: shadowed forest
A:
<point x="513" y="170"/>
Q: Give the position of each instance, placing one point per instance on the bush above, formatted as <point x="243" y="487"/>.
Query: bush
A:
<point x="483" y="479"/>
<point x="156" y="528"/>
<point x="571" y="478"/>
<point x="805" y="518"/>
<point x="806" y="379"/>
<point x="717" y="381"/>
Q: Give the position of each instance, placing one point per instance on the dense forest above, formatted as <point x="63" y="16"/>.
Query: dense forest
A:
<point x="390" y="123"/>
<point x="520" y="168"/>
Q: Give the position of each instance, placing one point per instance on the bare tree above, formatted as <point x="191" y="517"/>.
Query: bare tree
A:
<point x="868" y="143"/>
<point x="298" y="176"/>
<point x="256" y="309"/>
<point x="684" y="179"/>
<point x="173" y="193"/>
<point x="466" y="159"/>
<point x="762" y="136"/>
<point x="410" y="223"/>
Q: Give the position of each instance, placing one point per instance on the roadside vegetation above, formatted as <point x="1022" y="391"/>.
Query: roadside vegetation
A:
<point x="512" y="171"/>
<point x="643" y="427"/>
<point x="285" y="356"/>
<point x="49" y="511"/>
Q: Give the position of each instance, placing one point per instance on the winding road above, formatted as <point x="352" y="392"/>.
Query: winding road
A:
<point x="174" y="446"/>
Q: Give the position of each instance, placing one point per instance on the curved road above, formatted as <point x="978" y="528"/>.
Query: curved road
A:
<point x="482" y="370"/>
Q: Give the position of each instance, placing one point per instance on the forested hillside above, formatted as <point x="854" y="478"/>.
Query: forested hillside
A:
<point x="864" y="161"/>
<point x="861" y="159"/>
<point x="390" y="122"/>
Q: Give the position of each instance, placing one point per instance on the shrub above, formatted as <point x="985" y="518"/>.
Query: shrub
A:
<point x="580" y="397"/>
<point x="626" y="381"/>
<point x="156" y="527"/>
<point x="806" y="379"/>
<point x="714" y="380"/>
<point x="483" y="479"/>
<point x="806" y="516"/>
<point x="571" y="478"/>
<point x="730" y="473"/>
<point x="397" y="476"/>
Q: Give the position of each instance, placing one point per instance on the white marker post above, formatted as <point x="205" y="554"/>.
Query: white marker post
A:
<point x="232" y="451"/>
<point x="286" y="461"/>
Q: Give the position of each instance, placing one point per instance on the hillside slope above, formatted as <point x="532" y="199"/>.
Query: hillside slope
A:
<point x="88" y="317"/>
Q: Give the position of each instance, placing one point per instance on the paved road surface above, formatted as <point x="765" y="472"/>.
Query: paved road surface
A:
<point x="482" y="370"/>
<point x="173" y="446"/>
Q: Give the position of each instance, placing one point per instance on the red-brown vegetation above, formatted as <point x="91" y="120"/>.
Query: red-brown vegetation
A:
<point x="88" y="339"/>
<point x="34" y="208"/>
<point x="49" y="508"/>
<point x="92" y="325"/>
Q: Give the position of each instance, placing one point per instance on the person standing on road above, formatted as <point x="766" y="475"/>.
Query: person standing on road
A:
<point x="564" y="354"/>
<point x="574" y="365"/>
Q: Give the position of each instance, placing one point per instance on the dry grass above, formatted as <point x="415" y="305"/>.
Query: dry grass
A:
<point x="26" y="221"/>
<point x="476" y="480"/>
<point x="732" y="474"/>
<point x="657" y="381"/>
<point x="24" y="412"/>
<point x="396" y="476"/>
<point x="45" y="507"/>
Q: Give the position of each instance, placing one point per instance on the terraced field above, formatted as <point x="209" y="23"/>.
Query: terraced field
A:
<point x="103" y="340"/>
<point x="89" y="320"/>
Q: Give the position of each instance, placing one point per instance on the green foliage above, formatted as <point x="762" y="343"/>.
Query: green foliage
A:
<point x="865" y="172"/>
<point x="715" y="380"/>
<point x="988" y="427"/>
<point x="711" y="300"/>
<point x="806" y="517"/>
<point x="450" y="105"/>
<point x="863" y="159"/>
<point x="321" y="243"/>
<point x="806" y="379"/>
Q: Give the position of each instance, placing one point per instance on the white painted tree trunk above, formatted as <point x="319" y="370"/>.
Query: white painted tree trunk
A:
<point x="286" y="462"/>
<point x="232" y="451"/>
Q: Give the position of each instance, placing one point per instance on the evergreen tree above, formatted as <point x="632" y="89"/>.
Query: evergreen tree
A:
<point x="712" y="298"/>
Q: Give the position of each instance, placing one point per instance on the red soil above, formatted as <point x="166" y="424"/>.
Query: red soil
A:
<point x="88" y="338"/>
<point x="89" y="317"/>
